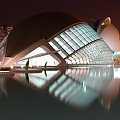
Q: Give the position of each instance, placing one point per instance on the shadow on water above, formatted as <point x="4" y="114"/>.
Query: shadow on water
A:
<point x="27" y="77"/>
<point x="73" y="94"/>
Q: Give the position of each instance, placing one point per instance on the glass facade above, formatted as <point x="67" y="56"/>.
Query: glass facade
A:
<point x="80" y="44"/>
<point x="94" y="53"/>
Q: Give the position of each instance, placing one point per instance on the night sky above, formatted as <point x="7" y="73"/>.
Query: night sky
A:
<point x="14" y="11"/>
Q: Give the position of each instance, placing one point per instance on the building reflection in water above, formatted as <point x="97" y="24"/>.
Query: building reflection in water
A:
<point x="3" y="89"/>
<point x="78" y="87"/>
<point x="37" y="80"/>
<point x="112" y="90"/>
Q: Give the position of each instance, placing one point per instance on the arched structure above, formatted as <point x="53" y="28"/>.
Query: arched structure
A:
<point x="74" y="41"/>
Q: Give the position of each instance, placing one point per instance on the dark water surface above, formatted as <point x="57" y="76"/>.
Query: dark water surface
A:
<point x="83" y="93"/>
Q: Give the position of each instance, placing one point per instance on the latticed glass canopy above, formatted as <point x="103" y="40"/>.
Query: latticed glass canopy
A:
<point x="80" y="44"/>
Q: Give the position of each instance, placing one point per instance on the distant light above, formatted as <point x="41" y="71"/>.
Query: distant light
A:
<point x="117" y="52"/>
<point x="11" y="67"/>
<point x="103" y="23"/>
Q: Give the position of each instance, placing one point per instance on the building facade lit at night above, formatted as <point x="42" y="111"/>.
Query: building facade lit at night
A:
<point x="56" y="38"/>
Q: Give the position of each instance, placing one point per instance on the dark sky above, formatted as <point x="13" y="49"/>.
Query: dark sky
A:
<point x="14" y="11"/>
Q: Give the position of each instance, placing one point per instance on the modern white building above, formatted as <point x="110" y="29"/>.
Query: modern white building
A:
<point x="64" y="38"/>
<point x="110" y="34"/>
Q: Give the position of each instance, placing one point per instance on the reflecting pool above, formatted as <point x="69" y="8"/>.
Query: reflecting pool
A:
<point x="67" y="94"/>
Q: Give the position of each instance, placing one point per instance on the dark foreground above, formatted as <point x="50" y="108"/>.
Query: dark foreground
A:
<point x="23" y="100"/>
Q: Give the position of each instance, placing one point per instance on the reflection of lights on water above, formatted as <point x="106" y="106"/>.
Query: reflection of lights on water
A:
<point x="104" y="74"/>
<point x="84" y="67"/>
<point x="109" y="65"/>
<point x="99" y="74"/>
<point x="4" y="71"/>
<point x="116" y="72"/>
<point x="79" y="87"/>
<point x="106" y="104"/>
<point x="69" y="90"/>
<point x="84" y="86"/>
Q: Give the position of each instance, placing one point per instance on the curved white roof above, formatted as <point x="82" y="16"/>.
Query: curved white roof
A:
<point x="110" y="35"/>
